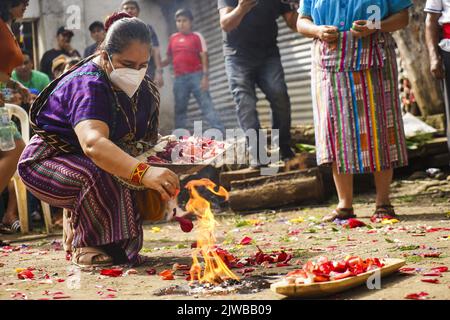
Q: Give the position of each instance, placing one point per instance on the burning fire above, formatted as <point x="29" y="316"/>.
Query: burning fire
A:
<point x="215" y="270"/>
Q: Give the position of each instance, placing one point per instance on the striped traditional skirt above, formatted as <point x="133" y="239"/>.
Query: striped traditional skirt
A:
<point x="103" y="212"/>
<point x="357" y="113"/>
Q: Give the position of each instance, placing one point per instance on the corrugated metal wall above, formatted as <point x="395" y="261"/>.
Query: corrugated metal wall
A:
<point x="295" y="52"/>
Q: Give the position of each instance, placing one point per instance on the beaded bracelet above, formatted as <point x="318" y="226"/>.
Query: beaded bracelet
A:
<point x="138" y="173"/>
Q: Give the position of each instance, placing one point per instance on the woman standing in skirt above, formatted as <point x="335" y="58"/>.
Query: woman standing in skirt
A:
<point x="357" y="114"/>
<point x="87" y="123"/>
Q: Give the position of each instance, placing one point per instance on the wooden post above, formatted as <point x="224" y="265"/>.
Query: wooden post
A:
<point x="291" y="188"/>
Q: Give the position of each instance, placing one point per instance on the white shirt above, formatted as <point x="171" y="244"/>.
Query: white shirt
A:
<point x="439" y="6"/>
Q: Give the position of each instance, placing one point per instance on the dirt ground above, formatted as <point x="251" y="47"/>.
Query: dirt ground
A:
<point x="423" y="207"/>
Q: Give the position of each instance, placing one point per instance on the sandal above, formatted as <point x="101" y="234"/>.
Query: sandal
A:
<point x="339" y="213"/>
<point x="10" y="229"/>
<point x="383" y="212"/>
<point x="87" y="257"/>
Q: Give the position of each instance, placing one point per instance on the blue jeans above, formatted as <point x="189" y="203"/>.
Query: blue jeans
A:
<point x="244" y="74"/>
<point x="186" y="85"/>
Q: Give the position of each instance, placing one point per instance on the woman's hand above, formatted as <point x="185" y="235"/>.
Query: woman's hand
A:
<point x="328" y="34"/>
<point x="162" y="180"/>
<point x="159" y="81"/>
<point x="362" y="29"/>
<point x="204" y="85"/>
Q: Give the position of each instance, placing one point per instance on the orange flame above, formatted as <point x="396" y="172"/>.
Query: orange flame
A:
<point x="215" y="270"/>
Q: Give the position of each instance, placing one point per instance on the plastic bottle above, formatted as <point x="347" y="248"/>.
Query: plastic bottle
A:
<point x="6" y="131"/>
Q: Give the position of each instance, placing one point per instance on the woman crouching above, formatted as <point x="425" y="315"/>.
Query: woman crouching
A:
<point x="86" y="123"/>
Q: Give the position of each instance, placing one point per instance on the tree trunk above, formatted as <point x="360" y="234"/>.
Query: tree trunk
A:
<point x="414" y="53"/>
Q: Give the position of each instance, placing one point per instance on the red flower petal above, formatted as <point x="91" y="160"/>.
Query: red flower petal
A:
<point x="417" y="296"/>
<point x="440" y="269"/>
<point x="430" y="280"/>
<point x="354" y="223"/>
<point x="25" y="274"/>
<point x="185" y="224"/>
<point x="112" y="272"/>
<point x="246" y="241"/>
<point x="167" y="275"/>
<point x="432" y="274"/>
<point x="407" y="269"/>
<point x="151" y="271"/>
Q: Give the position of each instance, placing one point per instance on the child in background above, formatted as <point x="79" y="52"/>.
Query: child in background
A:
<point x="188" y="54"/>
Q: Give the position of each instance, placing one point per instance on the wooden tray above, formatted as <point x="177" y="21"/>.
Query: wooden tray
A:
<point x="321" y="289"/>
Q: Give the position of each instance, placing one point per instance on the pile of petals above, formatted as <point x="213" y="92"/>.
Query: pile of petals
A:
<point x="186" y="150"/>
<point x="328" y="270"/>
<point x="230" y="260"/>
<point x="281" y="258"/>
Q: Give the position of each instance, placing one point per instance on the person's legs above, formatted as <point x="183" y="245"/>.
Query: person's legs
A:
<point x="181" y="92"/>
<point x="205" y="103"/>
<point x="8" y="163"/>
<point x="271" y="81"/>
<point x="383" y="181"/>
<point x="344" y="187"/>
<point x="241" y="74"/>
<point x="11" y="213"/>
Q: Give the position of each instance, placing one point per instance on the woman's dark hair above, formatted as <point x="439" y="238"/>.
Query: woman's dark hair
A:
<point x="121" y="30"/>
<point x="184" y="13"/>
<point x="96" y="25"/>
<point x="5" y="7"/>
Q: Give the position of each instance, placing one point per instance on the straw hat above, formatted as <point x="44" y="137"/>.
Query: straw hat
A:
<point x="58" y="61"/>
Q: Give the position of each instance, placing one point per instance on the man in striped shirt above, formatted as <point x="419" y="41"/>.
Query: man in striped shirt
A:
<point x="188" y="54"/>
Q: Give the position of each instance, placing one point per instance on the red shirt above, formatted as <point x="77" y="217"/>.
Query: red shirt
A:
<point x="185" y="51"/>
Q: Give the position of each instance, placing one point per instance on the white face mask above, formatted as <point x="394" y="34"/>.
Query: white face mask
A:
<point x="127" y="79"/>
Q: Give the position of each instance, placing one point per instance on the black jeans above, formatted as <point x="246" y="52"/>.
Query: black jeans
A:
<point x="243" y="76"/>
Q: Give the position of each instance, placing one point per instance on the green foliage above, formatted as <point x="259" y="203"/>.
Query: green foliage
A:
<point x="418" y="141"/>
<point x="301" y="147"/>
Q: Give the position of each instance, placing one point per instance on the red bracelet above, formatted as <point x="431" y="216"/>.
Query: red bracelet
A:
<point x="138" y="173"/>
